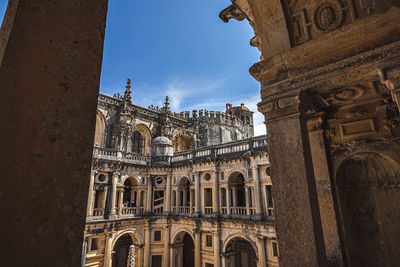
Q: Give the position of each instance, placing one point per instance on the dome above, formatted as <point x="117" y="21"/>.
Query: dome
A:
<point x="162" y="140"/>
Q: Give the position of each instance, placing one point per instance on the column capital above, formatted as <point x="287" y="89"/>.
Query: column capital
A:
<point x="285" y="105"/>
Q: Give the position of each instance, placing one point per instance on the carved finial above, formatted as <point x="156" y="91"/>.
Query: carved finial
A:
<point x="127" y="95"/>
<point x="166" y="103"/>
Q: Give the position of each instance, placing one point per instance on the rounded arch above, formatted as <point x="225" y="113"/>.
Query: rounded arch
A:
<point x="121" y="247"/>
<point x="239" y="235"/>
<point x="236" y="176"/>
<point x="145" y="138"/>
<point x="178" y="235"/>
<point x="235" y="171"/>
<point x="100" y="131"/>
<point x="183" y="181"/>
<point x="366" y="184"/>
<point x="240" y="251"/>
<point x="182" y="142"/>
<point x="136" y="238"/>
<point x="133" y="179"/>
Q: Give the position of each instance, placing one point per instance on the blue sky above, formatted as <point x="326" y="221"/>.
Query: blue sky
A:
<point x="182" y="49"/>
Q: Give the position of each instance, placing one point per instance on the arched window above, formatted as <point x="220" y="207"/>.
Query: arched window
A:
<point x="137" y="142"/>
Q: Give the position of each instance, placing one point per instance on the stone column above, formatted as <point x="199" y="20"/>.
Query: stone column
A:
<point x="228" y="200"/>
<point x="191" y="199"/>
<point x="168" y="195"/>
<point x="215" y="191"/>
<point x="234" y="197"/>
<point x="262" y="258"/>
<point x="257" y="191"/>
<point x="147" y="244"/>
<point x="217" y="248"/>
<point x="294" y="190"/>
<point x="104" y="199"/>
<point x="108" y="249"/>
<point x="247" y="200"/>
<point x="324" y="191"/>
<point x="149" y="196"/>
<point x="166" y="258"/>
<point x="113" y="194"/>
<point x="92" y="195"/>
<point x="184" y="197"/>
<point x="120" y="200"/>
<point x="197" y="248"/>
<point x="50" y="63"/>
<point x="197" y="209"/>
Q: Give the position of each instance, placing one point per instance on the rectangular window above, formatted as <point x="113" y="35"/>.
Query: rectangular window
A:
<point x="222" y="175"/>
<point x="157" y="235"/>
<point x="94" y="244"/>
<point x="209" y="241"/>
<point x="269" y="196"/>
<point x="249" y="173"/>
<point x="274" y="249"/>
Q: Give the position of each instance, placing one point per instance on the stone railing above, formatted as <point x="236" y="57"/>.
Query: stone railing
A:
<point x="232" y="148"/>
<point x="98" y="212"/>
<point x="126" y="157"/>
<point x="239" y="211"/>
<point x="208" y="210"/>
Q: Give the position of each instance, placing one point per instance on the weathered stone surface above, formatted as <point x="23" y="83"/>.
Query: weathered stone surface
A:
<point x="51" y="55"/>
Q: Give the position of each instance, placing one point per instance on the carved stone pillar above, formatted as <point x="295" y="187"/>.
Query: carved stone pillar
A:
<point x="108" y="249"/>
<point x="228" y="200"/>
<point x="294" y="192"/>
<point x="92" y="195"/>
<point x="166" y="258"/>
<point x="247" y="200"/>
<point x="197" y="192"/>
<point x="113" y="194"/>
<point x="262" y="258"/>
<point x="257" y="191"/>
<point x="149" y="197"/>
<point x="120" y="200"/>
<point x="234" y="197"/>
<point x="215" y="190"/>
<point x="147" y="244"/>
<point x="324" y="191"/>
<point x="217" y="248"/>
<point x="104" y="198"/>
<point x="197" y="248"/>
<point x="168" y="195"/>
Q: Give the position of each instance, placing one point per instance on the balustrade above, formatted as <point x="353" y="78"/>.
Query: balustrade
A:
<point x="98" y="212"/>
<point x="238" y="211"/>
<point x="208" y="210"/>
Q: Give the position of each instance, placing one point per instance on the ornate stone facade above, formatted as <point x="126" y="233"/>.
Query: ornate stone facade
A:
<point x="184" y="190"/>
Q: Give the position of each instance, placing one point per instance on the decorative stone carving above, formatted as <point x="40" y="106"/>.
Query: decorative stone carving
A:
<point x="349" y="94"/>
<point x="328" y="15"/>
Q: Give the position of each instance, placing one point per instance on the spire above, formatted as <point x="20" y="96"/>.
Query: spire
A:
<point x="127" y="95"/>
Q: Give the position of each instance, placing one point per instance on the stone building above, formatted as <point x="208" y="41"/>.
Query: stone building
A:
<point x="183" y="189"/>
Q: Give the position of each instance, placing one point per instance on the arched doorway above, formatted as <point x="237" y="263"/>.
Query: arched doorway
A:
<point x="183" y="250"/>
<point x="369" y="204"/>
<point x="121" y="250"/>
<point x="240" y="253"/>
